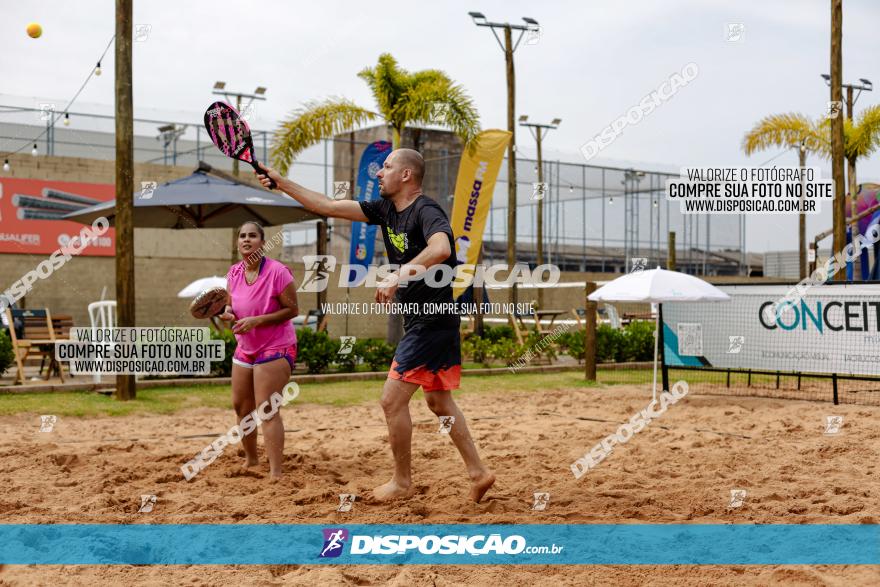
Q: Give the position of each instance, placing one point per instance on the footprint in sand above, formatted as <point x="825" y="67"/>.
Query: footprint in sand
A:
<point x="242" y="472"/>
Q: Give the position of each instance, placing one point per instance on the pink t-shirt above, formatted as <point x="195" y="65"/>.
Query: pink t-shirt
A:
<point x="257" y="299"/>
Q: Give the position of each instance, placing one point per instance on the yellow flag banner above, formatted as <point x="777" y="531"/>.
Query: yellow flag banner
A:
<point x="474" y="187"/>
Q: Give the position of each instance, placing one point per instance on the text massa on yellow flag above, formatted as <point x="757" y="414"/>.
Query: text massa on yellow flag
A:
<point x="477" y="173"/>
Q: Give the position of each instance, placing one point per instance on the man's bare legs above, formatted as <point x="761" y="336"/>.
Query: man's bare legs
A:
<point x="395" y="403"/>
<point x="442" y="404"/>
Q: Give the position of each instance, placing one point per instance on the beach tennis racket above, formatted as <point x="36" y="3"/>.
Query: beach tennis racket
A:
<point x="209" y="303"/>
<point x="232" y="135"/>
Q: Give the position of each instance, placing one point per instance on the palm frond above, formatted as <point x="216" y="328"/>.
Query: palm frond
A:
<point x="863" y="137"/>
<point x="387" y="82"/>
<point x="784" y="131"/>
<point x="443" y="103"/>
<point x="312" y="123"/>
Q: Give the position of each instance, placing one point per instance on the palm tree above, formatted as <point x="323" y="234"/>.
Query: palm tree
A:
<point x="795" y="130"/>
<point x="790" y="131"/>
<point x="402" y="98"/>
<point x="860" y="139"/>
<point x="427" y="97"/>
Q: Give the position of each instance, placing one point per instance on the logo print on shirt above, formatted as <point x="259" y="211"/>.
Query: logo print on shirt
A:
<point x="400" y="241"/>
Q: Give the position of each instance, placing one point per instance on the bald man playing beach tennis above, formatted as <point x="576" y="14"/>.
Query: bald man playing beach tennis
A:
<point x="417" y="237"/>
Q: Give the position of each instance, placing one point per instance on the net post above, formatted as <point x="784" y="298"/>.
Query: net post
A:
<point x="834" y="385"/>
<point x="590" y="333"/>
<point x="749" y="383"/>
<point x="664" y="370"/>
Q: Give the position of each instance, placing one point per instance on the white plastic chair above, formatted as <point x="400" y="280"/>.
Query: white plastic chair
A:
<point x="613" y="316"/>
<point x="101" y="315"/>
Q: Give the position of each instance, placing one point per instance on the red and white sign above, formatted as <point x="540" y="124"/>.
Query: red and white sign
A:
<point x="29" y="212"/>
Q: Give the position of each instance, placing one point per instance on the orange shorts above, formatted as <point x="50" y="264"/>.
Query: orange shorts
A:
<point x="442" y="380"/>
<point x="430" y="358"/>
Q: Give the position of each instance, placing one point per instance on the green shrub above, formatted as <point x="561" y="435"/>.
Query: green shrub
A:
<point x="573" y="343"/>
<point x="7" y="355"/>
<point x="316" y="349"/>
<point x="348" y="363"/>
<point x="377" y="353"/>
<point x="609" y="344"/>
<point x="539" y="349"/>
<point x="497" y="333"/>
<point x="219" y="368"/>
<point x="505" y="351"/>
<point x="477" y="349"/>
<point x="639" y="341"/>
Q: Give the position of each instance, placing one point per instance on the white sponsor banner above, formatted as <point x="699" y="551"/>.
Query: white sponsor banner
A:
<point x="831" y="329"/>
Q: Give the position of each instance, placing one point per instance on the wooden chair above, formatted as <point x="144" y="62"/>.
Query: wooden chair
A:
<point x="40" y="334"/>
<point x="519" y="327"/>
<point x="580" y="314"/>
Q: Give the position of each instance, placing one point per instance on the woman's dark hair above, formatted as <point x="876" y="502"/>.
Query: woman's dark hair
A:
<point x="259" y="228"/>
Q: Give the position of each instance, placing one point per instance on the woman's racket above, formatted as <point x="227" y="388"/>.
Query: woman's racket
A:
<point x="232" y="135"/>
<point x="209" y="303"/>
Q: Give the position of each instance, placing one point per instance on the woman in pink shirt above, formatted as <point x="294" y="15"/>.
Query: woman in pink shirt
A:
<point x="263" y="296"/>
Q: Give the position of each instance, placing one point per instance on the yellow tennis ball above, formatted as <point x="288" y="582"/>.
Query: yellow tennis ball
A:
<point x="34" y="30"/>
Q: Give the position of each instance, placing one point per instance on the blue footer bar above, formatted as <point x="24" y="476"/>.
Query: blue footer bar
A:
<point x="607" y="544"/>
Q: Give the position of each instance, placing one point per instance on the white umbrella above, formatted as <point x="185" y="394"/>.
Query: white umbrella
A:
<point x="200" y="285"/>
<point x="658" y="286"/>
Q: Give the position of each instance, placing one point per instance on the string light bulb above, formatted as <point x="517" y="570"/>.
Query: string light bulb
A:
<point x="571" y="189"/>
<point x="611" y="201"/>
<point x="67" y="119"/>
<point x="98" y="69"/>
<point x="34" y="151"/>
<point x="655" y="203"/>
<point x="6" y="165"/>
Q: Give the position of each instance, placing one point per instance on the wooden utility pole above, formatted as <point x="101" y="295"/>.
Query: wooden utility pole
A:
<point x="670" y="251"/>
<point x="125" y="310"/>
<point x="511" y="158"/>
<point x="590" y="333"/>
<point x="837" y="131"/>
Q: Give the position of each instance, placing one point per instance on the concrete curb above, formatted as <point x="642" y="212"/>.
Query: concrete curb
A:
<point x="304" y="378"/>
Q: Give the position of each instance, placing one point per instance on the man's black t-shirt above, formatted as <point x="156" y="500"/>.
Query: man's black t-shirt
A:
<point x="406" y="234"/>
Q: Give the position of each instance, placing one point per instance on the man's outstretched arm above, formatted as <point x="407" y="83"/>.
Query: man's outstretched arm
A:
<point x="311" y="200"/>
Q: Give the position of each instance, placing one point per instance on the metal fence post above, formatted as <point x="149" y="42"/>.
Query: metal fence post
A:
<point x="590" y="333"/>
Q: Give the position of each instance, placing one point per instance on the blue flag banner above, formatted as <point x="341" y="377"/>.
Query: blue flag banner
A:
<point x="562" y="544"/>
<point x="363" y="236"/>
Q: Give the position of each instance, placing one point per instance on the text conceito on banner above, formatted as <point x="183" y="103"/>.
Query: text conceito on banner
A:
<point x="474" y="187"/>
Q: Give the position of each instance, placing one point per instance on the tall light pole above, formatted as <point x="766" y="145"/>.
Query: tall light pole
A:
<point x="539" y="131"/>
<point x="853" y="185"/>
<point x="220" y="90"/>
<point x="508" y="46"/>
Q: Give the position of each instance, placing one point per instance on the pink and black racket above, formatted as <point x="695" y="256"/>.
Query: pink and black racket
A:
<point x="232" y="135"/>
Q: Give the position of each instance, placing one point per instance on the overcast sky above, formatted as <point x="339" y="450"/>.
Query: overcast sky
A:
<point x="594" y="61"/>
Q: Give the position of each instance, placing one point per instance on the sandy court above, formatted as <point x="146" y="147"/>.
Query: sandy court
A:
<point x="678" y="470"/>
